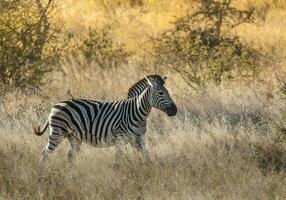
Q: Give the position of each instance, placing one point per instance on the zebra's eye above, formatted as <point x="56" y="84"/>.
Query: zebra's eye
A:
<point x="161" y="93"/>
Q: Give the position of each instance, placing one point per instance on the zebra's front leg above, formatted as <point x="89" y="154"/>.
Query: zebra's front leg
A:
<point x="120" y="153"/>
<point x="140" y="146"/>
<point x="75" y="145"/>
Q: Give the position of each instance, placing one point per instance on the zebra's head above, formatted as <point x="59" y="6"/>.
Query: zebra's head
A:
<point x="159" y="96"/>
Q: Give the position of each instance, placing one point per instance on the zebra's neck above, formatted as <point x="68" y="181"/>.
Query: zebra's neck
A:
<point x="137" y="110"/>
<point x="143" y="103"/>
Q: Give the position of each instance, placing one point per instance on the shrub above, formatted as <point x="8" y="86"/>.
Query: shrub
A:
<point x="270" y="157"/>
<point x="99" y="47"/>
<point x="110" y="6"/>
<point x="26" y="50"/>
<point x="199" y="49"/>
<point x="280" y="126"/>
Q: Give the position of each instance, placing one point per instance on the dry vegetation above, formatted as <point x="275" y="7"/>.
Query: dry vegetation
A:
<point x="223" y="144"/>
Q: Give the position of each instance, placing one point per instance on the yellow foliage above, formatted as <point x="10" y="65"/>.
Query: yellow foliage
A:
<point x="134" y="25"/>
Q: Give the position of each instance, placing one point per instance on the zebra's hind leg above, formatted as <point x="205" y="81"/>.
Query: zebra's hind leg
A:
<point x="45" y="153"/>
<point x="55" y="137"/>
<point x="75" y="145"/>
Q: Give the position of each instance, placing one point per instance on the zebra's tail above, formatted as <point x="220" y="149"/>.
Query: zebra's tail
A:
<point x="40" y="130"/>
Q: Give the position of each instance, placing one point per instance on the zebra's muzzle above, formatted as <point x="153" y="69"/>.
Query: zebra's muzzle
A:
<point x="171" y="110"/>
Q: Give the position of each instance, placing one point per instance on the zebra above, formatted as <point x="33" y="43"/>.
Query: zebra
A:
<point x="105" y="124"/>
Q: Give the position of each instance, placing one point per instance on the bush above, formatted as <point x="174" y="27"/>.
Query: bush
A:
<point x="110" y="6"/>
<point x="99" y="47"/>
<point x="199" y="49"/>
<point x="270" y="157"/>
<point x="26" y="36"/>
<point x="280" y="125"/>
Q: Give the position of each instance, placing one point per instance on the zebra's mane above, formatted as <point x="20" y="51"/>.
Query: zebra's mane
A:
<point x="142" y="84"/>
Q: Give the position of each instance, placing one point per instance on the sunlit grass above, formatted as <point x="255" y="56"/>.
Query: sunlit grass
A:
<point x="219" y="146"/>
<point x="134" y="25"/>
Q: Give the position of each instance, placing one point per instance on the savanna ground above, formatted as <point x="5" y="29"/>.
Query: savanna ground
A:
<point x="226" y="142"/>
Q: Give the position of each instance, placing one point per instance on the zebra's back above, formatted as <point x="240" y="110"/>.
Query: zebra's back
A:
<point x="90" y="121"/>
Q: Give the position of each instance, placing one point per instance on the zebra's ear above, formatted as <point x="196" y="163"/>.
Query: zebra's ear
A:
<point x="148" y="81"/>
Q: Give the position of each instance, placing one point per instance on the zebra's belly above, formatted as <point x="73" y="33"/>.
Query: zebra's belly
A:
<point x="102" y="145"/>
<point x="105" y="142"/>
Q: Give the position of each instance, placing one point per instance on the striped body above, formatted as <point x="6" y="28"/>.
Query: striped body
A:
<point x="99" y="124"/>
<point x="104" y="124"/>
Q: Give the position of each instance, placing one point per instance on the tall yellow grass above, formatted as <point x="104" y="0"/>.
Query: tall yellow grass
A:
<point x="219" y="146"/>
<point x="134" y="25"/>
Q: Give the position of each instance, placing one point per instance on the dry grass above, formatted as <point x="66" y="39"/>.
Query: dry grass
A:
<point x="134" y="25"/>
<point x="184" y="166"/>
<point x="219" y="146"/>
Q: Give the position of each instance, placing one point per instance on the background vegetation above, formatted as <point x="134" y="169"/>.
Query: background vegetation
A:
<point x="226" y="66"/>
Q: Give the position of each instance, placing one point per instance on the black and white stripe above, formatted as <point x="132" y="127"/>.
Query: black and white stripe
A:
<point x="103" y="124"/>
